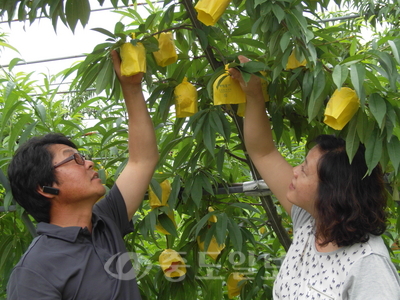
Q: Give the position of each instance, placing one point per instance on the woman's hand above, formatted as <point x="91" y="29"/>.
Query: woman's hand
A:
<point x="124" y="80"/>
<point x="252" y="88"/>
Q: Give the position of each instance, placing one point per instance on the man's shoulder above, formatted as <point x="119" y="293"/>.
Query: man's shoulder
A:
<point x="35" y="254"/>
<point x="48" y="245"/>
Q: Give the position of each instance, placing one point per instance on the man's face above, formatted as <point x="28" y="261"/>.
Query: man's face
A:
<point x="76" y="182"/>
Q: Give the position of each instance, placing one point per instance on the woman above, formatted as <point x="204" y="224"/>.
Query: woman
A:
<point x="337" y="213"/>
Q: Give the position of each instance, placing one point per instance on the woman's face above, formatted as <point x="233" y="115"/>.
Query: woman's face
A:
<point x="304" y="186"/>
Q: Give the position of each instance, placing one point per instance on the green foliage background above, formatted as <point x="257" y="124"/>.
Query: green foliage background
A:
<point x="202" y="156"/>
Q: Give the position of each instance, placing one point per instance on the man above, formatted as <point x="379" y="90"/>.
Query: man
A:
<point x="72" y="258"/>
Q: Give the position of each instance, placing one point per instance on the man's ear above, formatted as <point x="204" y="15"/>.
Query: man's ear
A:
<point x="48" y="191"/>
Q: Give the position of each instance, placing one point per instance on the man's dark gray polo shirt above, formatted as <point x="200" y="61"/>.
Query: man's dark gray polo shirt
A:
<point x="69" y="262"/>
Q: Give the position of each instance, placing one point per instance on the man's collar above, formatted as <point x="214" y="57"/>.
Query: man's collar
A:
<point x="69" y="234"/>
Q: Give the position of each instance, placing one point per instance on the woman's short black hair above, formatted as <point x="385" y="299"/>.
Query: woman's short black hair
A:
<point x="31" y="168"/>
<point x="350" y="202"/>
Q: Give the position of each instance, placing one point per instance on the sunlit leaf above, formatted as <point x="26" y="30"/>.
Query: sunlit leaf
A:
<point x="339" y="75"/>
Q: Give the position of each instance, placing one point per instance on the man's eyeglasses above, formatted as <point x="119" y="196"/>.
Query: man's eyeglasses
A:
<point x="79" y="159"/>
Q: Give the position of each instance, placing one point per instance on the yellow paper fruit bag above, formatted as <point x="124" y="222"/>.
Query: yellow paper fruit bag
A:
<point x="341" y="107"/>
<point x="172" y="263"/>
<point x="166" y="191"/>
<point x="213" y="218"/>
<point x="227" y="90"/>
<point x="185" y="95"/>
<point x="214" y="249"/>
<point x="234" y="284"/>
<point x="209" y="11"/>
<point x="293" y="63"/>
<point x="166" y="54"/>
<point x="262" y="230"/>
<point x="133" y="59"/>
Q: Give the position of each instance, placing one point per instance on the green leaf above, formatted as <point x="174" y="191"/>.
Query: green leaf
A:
<point x="175" y="190"/>
<point x="377" y="107"/>
<point x="156" y="188"/>
<point x="353" y="59"/>
<point x="6" y="248"/>
<point x="395" y="45"/>
<point x="278" y="12"/>
<point x="151" y="44"/>
<point x="69" y="125"/>
<point x="14" y="62"/>
<point x="206" y="182"/>
<point x="85" y="105"/>
<point x="208" y="136"/>
<point x="27" y="132"/>
<point x="165" y="103"/>
<point x="243" y="27"/>
<point x="150" y="221"/>
<point x="393" y="148"/>
<point x="4" y="181"/>
<point x="212" y="79"/>
<point x="220" y="228"/>
<point x="235" y="235"/>
<point x="285" y="40"/>
<point x="151" y="20"/>
<point x="105" y="76"/>
<point x="167" y="18"/>
<point x="168" y="225"/>
<point x="357" y="74"/>
<point x="9" y="88"/>
<point x="352" y="139"/>
<point x="303" y="24"/>
<point x="200" y="224"/>
<point x="216" y="123"/>
<point x="248" y="42"/>
<point x="373" y="78"/>
<point x="77" y="10"/>
<point x="253" y="67"/>
<point x="277" y="122"/>
<point x="197" y="190"/>
<point x="245" y="206"/>
<point x="373" y="149"/>
<point x="8" y="199"/>
<point x="104" y="31"/>
<point x="89" y="77"/>
<point x="339" y="75"/>
<point x="202" y="37"/>
<point x="389" y="66"/>
<point x="2" y="44"/>
<point x="362" y="125"/>
<point x="209" y="235"/>
<point x="182" y="156"/>
<point x="307" y="84"/>
<point x="41" y="112"/>
<point x="317" y="96"/>
<point x="353" y="47"/>
<point x="17" y="129"/>
<point x="220" y="158"/>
